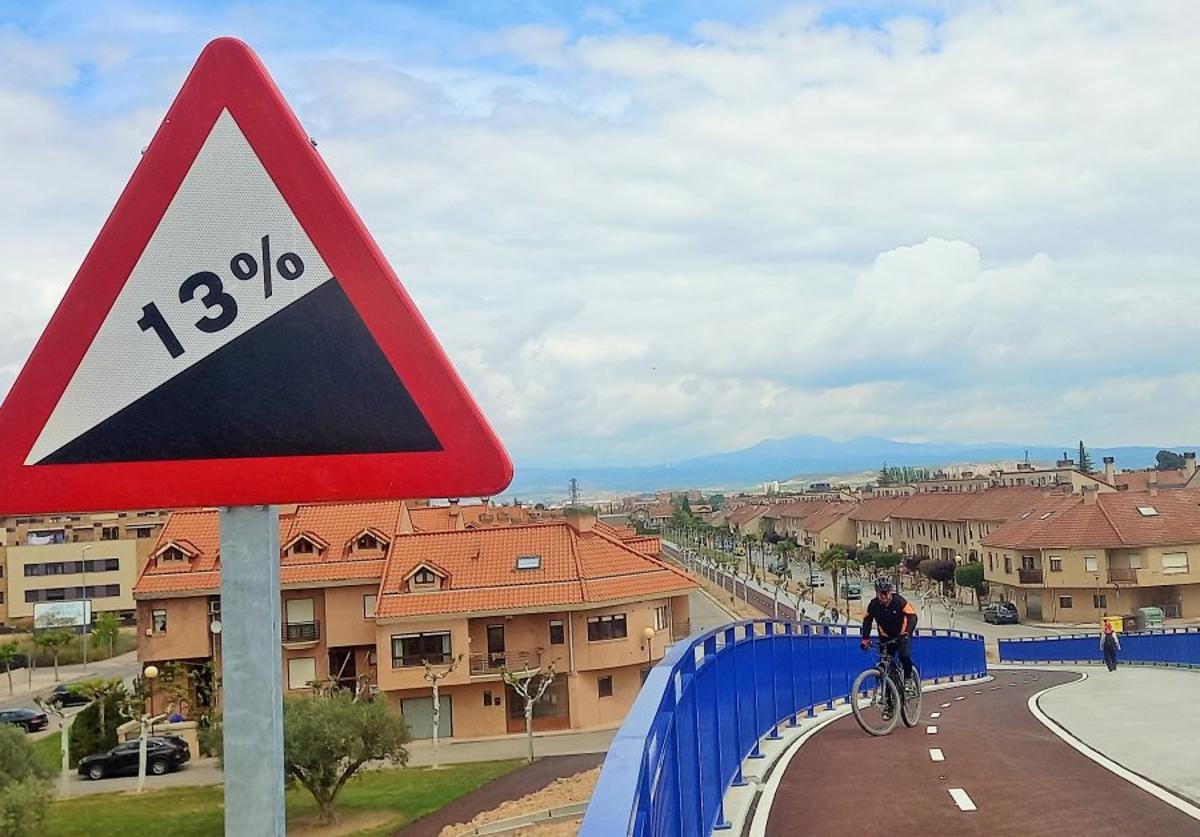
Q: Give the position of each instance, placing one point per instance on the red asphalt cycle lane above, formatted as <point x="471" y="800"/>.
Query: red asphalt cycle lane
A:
<point x="1023" y="779"/>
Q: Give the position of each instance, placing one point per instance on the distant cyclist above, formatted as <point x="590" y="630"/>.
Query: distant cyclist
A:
<point x="896" y="619"/>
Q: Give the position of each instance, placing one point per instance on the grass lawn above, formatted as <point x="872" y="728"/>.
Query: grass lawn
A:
<point x="382" y="800"/>
<point x="48" y="751"/>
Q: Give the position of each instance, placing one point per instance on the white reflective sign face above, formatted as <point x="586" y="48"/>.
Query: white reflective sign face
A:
<point x="227" y="255"/>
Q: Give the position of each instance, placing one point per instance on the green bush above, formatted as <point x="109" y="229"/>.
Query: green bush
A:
<point x="86" y="735"/>
<point x="23" y="785"/>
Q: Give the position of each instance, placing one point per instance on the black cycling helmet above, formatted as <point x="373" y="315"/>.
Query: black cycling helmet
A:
<point x="883" y="584"/>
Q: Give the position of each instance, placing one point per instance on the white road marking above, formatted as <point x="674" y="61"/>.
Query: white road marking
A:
<point x="945" y="706"/>
<point x="936" y="755"/>
<point x="961" y="697"/>
<point x="961" y="799"/>
<point x="935" y="714"/>
<point x="978" y="692"/>
<point x="930" y="730"/>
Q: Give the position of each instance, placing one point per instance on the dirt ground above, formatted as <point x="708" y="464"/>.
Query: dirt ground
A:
<point x="566" y="791"/>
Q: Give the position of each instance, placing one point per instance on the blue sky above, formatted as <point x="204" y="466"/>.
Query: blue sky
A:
<point x="645" y="231"/>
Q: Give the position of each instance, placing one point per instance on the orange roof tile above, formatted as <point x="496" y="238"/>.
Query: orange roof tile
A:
<point x="576" y="568"/>
<point x="876" y="510"/>
<point x="1112" y="522"/>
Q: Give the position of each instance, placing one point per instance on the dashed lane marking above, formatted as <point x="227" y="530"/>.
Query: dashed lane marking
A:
<point x="935" y="714"/>
<point x="961" y="799"/>
<point x="936" y="755"/>
<point x="961" y="697"/>
<point x="931" y="730"/>
<point x="945" y="706"/>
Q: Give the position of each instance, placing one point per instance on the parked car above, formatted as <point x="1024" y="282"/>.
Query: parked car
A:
<point x="778" y="565"/>
<point x="1001" y="613"/>
<point x="816" y="579"/>
<point x="164" y="753"/>
<point x="851" y="590"/>
<point x="61" y="695"/>
<point x="31" y="719"/>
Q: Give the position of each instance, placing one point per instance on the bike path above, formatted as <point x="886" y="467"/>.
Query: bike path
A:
<point x="1018" y="775"/>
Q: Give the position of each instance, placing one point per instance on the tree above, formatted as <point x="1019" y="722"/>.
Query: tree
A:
<point x="1085" y="459"/>
<point x="837" y="561"/>
<point x="436" y="676"/>
<point x="971" y="575"/>
<point x="1168" y="461"/>
<point x="97" y="690"/>
<point x="327" y="739"/>
<point x="23" y="785"/>
<point x="95" y="726"/>
<point x="531" y="685"/>
<point x="106" y="629"/>
<point x="8" y="655"/>
<point x="53" y="641"/>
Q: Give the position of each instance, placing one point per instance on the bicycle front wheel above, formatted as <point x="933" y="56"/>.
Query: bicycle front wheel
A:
<point x="911" y="710"/>
<point x="875" y="700"/>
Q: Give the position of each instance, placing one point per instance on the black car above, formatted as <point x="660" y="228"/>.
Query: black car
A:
<point x="62" y="695"/>
<point x="1001" y="613"/>
<point x="164" y="753"/>
<point x="31" y="719"/>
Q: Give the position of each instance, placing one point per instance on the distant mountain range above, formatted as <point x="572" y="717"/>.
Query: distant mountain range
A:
<point x="782" y="459"/>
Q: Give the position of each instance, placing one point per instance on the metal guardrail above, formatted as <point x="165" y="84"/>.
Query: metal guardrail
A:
<point x="301" y="631"/>
<point x="491" y="662"/>
<point x="1168" y="647"/>
<point x="712" y="698"/>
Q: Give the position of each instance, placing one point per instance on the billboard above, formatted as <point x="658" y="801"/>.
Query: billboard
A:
<point x="61" y="614"/>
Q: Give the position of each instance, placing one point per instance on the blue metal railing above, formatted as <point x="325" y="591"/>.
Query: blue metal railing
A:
<point x="713" y="697"/>
<point x="1169" y="647"/>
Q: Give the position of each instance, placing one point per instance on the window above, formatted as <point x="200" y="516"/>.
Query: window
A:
<point x="1100" y="601"/>
<point x="110" y="533"/>
<point x="1" y="597"/>
<point x="145" y="532"/>
<point x="1090" y="564"/>
<point x="487" y="697"/>
<point x="370" y="602"/>
<point x="424" y="576"/>
<point x="1135" y="562"/>
<point x="529" y="562"/>
<point x="991" y="563"/>
<point x="301" y="672"/>
<point x="302" y="547"/>
<point x="1008" y="563"/>
<point x="366" y="542"/>
<point x="1055" y="564"/>
<point x="159" y="618"/>
<point x="604" y="686"/>
<point x="1147" y="511"/>
<point x="1174" y="563"/>
<point x="172" y="554"/>
<point x="414" y="649"/>
<point x="557" y="635"/>
<point x="1064" y="602"/>
<point x="606" y="627"/>
<point x="660" y="618"/>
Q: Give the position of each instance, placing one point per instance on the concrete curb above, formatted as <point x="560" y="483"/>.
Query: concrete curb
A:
<point x="559" y="814"/>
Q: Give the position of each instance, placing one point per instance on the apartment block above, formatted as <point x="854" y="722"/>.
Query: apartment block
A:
<point x="369" y="594"/>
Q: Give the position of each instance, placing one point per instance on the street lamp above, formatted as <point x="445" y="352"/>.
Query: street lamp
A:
<point x="648" y="635"/>
<point x="147" y="719"/>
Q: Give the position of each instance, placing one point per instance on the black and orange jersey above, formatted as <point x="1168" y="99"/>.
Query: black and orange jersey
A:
<point x="894" y="618"/>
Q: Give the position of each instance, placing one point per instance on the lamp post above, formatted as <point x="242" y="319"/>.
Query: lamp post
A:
<point x="648" y="635"/>
<point x="83" y="636"/>
<point x="147" y="718"/>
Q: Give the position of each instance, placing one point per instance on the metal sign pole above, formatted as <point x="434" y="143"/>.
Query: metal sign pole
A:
<point x="252" y="668"/>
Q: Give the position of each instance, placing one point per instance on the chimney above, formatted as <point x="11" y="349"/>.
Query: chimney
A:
<point x="455" y="511"/>
<point x="1090" y="492"/>
<point x="1152" y="483"/>
<point x="1189" y="465"/>
<point x="1110" y="475"/>
<point x="580" y="518"/>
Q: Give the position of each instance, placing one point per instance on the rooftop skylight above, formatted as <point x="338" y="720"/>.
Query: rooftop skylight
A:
<point x="1147" y="511"/>
<point x="529" y="562"/>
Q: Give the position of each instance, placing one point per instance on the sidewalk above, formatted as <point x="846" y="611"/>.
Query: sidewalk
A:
<point x="122" y="666"/>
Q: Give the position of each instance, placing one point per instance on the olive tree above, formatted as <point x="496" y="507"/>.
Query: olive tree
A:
<point x="8" y="655"/>
<point x="53" y="641"/>
<point x="327" y="739"/>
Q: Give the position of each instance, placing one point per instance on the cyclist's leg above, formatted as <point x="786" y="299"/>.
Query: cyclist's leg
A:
<point x="902" y="650"/>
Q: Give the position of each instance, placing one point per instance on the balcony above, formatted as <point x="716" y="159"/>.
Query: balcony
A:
<point x="681" y="629"/>
<point x="1030" y="576"/>
<point x="1117" y="575"/>
<point x="484" y="664"/>
<point x="301" y="633"/>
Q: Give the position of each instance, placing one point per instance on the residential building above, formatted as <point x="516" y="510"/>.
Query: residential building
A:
<point x="365" y="604"/>
<point x="747" y="520"/>
<point x="46" y="558"/>
<point x="873" y="523"/>
<point x="1064" y="473"/>
<point x="1100" y="553"/>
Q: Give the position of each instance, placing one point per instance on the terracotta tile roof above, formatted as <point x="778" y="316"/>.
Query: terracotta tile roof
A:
<point x="1112" y="522"/>
<point x="338" y="524"/>
<point x="876" y="510"/>
<point x="452" y="518"/>
<point x="1140" y="480"/>
<point x="576" y="569"/>
<point x="661" y="510"/>
<point x="825" y="515"/>
<point x="744" y="514"/>
<point x="995" y="504"/>
<point x="178" y="582"/>
<point x="650" y="545"/>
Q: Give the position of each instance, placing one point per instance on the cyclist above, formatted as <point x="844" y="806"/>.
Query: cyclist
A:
<point x="896" y="619"/>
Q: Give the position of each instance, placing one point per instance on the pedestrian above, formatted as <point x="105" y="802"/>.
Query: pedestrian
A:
<point x="803" y="615"/>
<point x="824" y="617"/>
<point x="1110" y="644"/>
<point x="836" y="616"/>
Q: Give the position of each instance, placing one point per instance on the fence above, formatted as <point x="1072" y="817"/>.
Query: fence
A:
<point x="1170" y="647"/>
<point x="712" y="698"/>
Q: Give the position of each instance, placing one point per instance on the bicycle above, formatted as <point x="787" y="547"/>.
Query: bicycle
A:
<point x="877" y="692"/>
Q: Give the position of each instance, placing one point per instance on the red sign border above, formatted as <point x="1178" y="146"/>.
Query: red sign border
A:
<point x="228" y="75"/>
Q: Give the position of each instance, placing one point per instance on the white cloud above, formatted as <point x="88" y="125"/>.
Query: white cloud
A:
<point x="651" y="247"/>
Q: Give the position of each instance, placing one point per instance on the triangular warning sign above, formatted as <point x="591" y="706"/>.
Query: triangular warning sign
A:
<point x="234" y="336"/>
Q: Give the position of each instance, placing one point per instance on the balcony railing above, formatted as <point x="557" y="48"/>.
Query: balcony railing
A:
<point x="491" y="663"/>
<point x="1119" y="575"/>
<point x="302" y="632"/>
<point x="680" y="629"/>
<point x="1030" y="576"/>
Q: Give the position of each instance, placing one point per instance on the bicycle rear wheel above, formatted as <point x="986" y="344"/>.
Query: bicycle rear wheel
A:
<point x="910" y="711"/>
<point x="875" y="702"/>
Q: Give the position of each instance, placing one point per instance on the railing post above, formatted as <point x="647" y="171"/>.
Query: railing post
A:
<point x="730" y="651"/>
<point x="772" y="638"/>
<point x="752" y="634"/>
